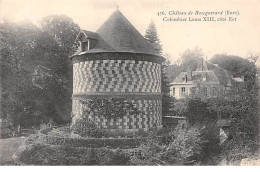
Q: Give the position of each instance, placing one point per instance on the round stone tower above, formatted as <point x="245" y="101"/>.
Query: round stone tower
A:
<point x="117" y="62"/>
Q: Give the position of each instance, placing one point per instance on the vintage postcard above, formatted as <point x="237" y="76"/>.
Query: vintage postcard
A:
<point x="129" y="83"/>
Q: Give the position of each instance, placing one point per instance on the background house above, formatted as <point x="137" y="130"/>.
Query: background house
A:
<point x="207" y="80"/>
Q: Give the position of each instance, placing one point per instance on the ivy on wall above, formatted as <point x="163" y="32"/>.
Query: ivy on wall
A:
<point x="109" y="108"/>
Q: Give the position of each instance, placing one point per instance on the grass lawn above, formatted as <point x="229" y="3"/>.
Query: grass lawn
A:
<point x="8" y="147"/>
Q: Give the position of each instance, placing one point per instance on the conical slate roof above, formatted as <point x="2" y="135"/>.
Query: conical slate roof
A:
<point x="122" y="36"/>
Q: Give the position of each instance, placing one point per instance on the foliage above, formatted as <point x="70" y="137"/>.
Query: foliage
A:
<point x="87" y="128"/>
<point x="63" y="30"/>
<point x="112" y="108"/>
<point x="167" y="100"/>
<point x="181" y="106"/>
<point x="198" y="112"/>
<point x="188" y="59"/>
<point x="234" y="64"/>
<point x="152" y="37"/>
<point x="92" y="142"/>
<point x="190" y="56"/>
<point x="238" y="67"/>
<point x="211" y="147"/>
<point x="59" y="132"/>
<point x="241" y="106"/>
<point x="24" y="46"/>
<point x="243" y="109"/>
<point x="109" y="108"/>
<point x="184" y="147"/>
<point x="41" y="154"/>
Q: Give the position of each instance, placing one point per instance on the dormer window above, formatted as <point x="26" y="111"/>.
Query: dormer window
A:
<point x="185" y="79"/>
<point x="87" y="40"/>
<point x="84" y="46"/>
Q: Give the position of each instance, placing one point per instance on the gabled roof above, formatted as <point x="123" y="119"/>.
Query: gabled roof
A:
<point x="197" y="77"/>
<point x="88" y="34"/>
<point x="98" y="44"/>
<point x="122" y="36"/>
<point x="181" y="78"/>
<point x="208" y="74"/>
<point x="222" y="74"/>
<point x="213" y="73"/>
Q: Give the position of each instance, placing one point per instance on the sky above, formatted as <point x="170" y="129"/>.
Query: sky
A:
<point x="240" y="37"/>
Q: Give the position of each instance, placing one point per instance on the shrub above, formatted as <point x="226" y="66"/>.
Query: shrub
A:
<point x="184" y="147"/>
<point x="60" y="132"/>
<point x="181" y="106"/>
<point x="198" y="112"/>
<point x="41" y="154"/>
<point x="86" y="128"/>
<point x="210" y="147"/>
<point x="90" y="142"/>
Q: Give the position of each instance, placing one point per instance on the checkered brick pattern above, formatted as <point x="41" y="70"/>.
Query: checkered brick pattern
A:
<point x="116" y="76"/>
<point x="150" y="117"/>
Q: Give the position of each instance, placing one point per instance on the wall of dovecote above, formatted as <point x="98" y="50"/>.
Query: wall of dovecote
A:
<point x="116" y="76"/>
<point x="135" y="80"/>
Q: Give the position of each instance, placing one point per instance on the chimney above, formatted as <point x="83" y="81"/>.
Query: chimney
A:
<point x="189" y="74"/>
<point x="202" y="66"/>
<point x="199" y="65"/>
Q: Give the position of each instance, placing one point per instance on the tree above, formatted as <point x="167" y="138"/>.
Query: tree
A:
<point x="24" y="47"/>
<point x="17" y="44"/>
<point x="242" y="106"/>
<point x="191" y="55"/>
<point x="198" y="112"/>
<point x="167" y="101"/>
<point x="238" y="66"/>
<point x="234" y="64"/>
<point x="152" y="37"/>
<point x="188" y="59"/>
<point x="63" y="30"/>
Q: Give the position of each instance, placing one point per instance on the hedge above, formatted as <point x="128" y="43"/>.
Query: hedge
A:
<point x="43" y="154"/>
<point x="92" y="142"/>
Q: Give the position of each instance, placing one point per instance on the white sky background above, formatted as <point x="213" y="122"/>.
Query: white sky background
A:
<point x="233" y="38"/>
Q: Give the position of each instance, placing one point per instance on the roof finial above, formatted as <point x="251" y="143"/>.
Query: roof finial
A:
<point x="116" y="6"/>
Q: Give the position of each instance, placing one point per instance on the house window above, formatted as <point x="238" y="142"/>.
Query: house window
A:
<point x="205" y="91"/>
<point x="183" y="91"/>
<point x="214" y="91"/>
<point x="173" y="92"/>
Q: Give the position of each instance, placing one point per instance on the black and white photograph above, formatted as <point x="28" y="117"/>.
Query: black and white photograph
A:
<point x="129" y="83"/>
